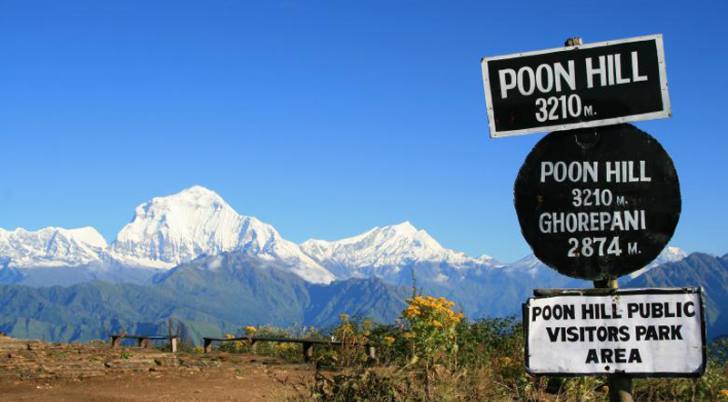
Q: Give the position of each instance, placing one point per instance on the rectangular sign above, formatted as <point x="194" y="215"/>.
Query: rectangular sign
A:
<point x="571" y="87"/>
<point x="640" y="332"/>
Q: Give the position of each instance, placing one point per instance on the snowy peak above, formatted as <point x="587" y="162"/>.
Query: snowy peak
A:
<point x="669" y="254"/>
<point x="528" y="262"/>
<point x="385" y="246"/>
<point x="87" y="235"/>
<point x="167" y="231"/>
<point x="51" y="247"/>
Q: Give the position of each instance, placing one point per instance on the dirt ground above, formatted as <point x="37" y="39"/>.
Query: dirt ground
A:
<point x="35" y="371"/>
<point x="252" y="385"/>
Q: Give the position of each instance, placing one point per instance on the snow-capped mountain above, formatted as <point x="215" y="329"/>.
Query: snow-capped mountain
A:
<point x="167" y="231"/>
<point x="383" y="251"/>
<point x="164" y="232"/>
<point x="50" y="247"/>
<point x="669" y="254"/>
<point x="171" y="230"/>
<point x="528" y="264"/>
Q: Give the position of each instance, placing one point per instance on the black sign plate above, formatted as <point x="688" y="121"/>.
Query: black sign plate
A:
<point x="589" y="85"/>
<point x="598" y="203"/>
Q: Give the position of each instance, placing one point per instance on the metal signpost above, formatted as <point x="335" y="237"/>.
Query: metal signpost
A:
<point x="597" y="199"/>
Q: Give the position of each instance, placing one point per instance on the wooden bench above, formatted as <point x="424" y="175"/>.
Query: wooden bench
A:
<point x="143" y="340"/>
<point x="307" y="344"/>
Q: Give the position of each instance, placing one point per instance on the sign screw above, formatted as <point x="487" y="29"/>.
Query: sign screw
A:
<point x="575" y="41"/>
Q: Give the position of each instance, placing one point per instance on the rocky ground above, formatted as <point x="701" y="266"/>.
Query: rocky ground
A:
<point x="39" y="371"/>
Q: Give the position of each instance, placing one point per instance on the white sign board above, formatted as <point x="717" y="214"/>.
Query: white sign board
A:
<point x="641" y="332"/>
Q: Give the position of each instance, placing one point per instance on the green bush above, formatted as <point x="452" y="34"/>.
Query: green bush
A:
<point x="363" y="385"/>
<point x="483" y="341"/>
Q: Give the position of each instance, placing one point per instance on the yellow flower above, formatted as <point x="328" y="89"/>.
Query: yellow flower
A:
<point x="412" y="311"/>
<point x="389" y="340"/>
<point x="250" y="330"/>
<point x="724" y="393"/>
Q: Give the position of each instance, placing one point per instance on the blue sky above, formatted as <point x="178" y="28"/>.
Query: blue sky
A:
<point x="323" y="118"/>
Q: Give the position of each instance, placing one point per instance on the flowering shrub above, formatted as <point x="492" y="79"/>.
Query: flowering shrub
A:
<point x="234" y="346"/>
<point x="388" y="341"/>
<point x="431" y="326"/>
<point x="353" y="336"/>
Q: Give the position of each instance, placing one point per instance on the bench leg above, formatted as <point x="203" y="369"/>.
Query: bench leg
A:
<point x="372" y="352"/>
<point x="143" y="343"/>
<point x="173" y="344"/>
<point x="115" y="340"/>
<point x="207" y="345"/>
<point x="307" y="351"/>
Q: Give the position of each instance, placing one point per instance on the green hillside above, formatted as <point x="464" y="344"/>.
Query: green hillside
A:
<point x="209" y="296"/>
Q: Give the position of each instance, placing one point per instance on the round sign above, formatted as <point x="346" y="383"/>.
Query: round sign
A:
<point x="597" y="203"/>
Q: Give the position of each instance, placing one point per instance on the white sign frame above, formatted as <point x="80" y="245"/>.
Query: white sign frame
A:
<point x="666" y="111"/>
<point x="551" y="354"/>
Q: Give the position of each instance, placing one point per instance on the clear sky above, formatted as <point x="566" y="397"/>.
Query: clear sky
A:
<point x="323" y="118"/>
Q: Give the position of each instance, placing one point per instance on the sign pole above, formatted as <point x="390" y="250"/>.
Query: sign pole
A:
<point x="597" y="199"/>
<point x="620" y="385"/>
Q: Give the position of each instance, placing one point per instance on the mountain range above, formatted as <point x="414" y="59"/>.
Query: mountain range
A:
<point x="164" y="232"/>
<point x="192" y="256"/>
